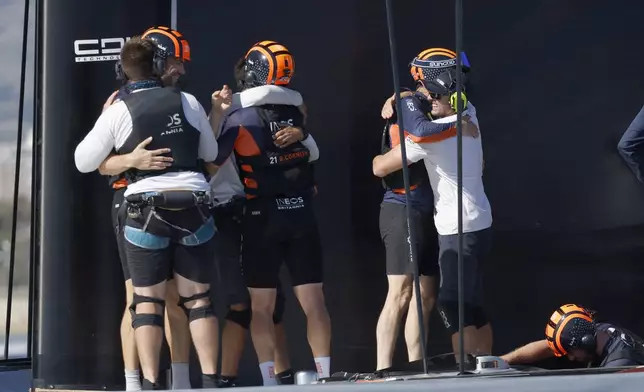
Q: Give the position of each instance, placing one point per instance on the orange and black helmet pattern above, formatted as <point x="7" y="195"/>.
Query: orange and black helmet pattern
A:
<point x="432" y="62"/>
<point x="566" y="328"/>
<point x="270" y="63"/>
<point x="171" y="42"/>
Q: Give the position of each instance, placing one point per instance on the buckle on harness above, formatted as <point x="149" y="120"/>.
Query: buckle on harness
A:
<point x="169" y="199"/>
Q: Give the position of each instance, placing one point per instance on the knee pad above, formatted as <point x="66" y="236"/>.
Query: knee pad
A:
<point x="141" y="319"/>
<point x="200" y="312"/>
<point x="240" y="317"/>
<point x="480" y="319"/>
<point x="449" y="313"/>
<point x="278" y="313"/>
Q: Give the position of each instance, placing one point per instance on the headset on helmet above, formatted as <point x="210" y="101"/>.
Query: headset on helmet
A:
<point x="435" y="69"/>
<point x="267" y="62"/>
<point x="571" y="327"/>
<point x="169" y="43"/>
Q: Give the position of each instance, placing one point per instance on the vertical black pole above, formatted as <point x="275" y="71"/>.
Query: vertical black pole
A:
<point x="34" y="255"/>
<point x="16" y="181"/>
<point x="459" y="154"/>
<point x="80" y="291"/>
<point x="173" y="14"/>
<point x="410" y="231"/>
<point x="34" y="240"/>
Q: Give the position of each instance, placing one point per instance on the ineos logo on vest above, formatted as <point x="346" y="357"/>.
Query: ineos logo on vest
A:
<point x="276" y="126"/>
<point x="174" y="126"/>
<point x="289" y="203"/>
<point x="98" y="49"/>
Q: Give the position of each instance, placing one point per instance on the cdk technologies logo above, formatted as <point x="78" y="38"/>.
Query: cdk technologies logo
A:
<point x="98" y="49"/>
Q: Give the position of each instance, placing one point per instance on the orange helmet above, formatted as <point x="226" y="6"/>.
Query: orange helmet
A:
<point x="171" y="42"/>
<point x="268" y="62"/>
<point x="570" y="326"/>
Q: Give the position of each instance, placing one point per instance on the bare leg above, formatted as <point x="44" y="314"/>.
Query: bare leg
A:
<point x="149" y="337"/>
<point x="262" y="331"/>
<point x="397" y="301"/>
<point x="204" y="330"/>
<point x="484" y="339"/>
<point x="470" y="340"/>
<point x="412" y="334"/>
<point x="177" y="333"/>
<point x="282" y="360"/>
<point x="318" y="324"/>
<point x="128" y="343"/>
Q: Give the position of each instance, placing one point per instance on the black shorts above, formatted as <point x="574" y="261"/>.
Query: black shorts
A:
<point x="393" y="231"/>
<point x="228" y="242"/>
<point x="281" y="230"/>
<point x="177" y="241"/>
<point x="476" y="248"/>
<point x="118" y="219"/>
<point x="228" y="252"/>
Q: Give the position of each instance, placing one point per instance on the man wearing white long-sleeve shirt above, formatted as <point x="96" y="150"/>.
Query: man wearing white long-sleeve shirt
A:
<point x="168" y="225"/>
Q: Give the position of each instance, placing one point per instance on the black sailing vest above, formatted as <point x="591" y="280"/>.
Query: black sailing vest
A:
<point x="625" y="345"/>
<point x="417" y="170"/>
<point x="123" y="91"/>
<point x="158" y="112"/>
<point x="277" y="171"/>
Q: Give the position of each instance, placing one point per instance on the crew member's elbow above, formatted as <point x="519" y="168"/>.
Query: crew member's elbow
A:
<point x="379" y="170"/>
<point x="84" y="168"/>
<point x="314" y="155"/>
<point x="83" y="165"/>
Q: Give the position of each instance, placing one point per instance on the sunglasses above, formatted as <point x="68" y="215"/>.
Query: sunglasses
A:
<point x="432" y="95"/>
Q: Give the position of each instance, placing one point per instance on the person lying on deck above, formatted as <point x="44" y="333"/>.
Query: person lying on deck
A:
<point x="572" y="331"/>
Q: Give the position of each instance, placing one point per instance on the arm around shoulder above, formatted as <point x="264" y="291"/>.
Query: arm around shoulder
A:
<point x="97" y="144"/>
<point x="310" y="143"/>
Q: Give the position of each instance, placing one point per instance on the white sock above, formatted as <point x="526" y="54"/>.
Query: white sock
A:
<point x="132" y="381"/>
<point x="268" y="372"/>
<point x="181" y="376"/>
<point x="323" y="366"/>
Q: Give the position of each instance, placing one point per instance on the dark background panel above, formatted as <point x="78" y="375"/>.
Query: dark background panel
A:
<point x="320" y="39"/>
<point x="555" y="84"/>
<point x="80" y="282"/>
